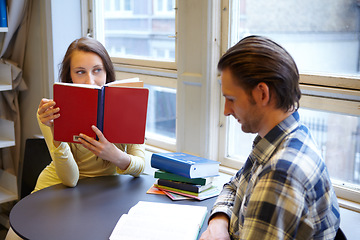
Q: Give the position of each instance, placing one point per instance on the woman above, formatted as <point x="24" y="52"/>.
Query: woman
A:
<point x="85" y="62"/>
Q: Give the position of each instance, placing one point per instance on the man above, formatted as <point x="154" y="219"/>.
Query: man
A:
<point x="283" y="191"/>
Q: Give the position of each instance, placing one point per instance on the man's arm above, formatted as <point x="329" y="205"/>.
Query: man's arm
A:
<point x="217" y="228"/>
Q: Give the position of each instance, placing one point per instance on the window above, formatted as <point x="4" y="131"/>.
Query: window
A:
<point x="323" y="38"/>
<point x="161" y="118"/>
<point x="114" y="7"/>
<point x="338" y="136"/>
<point x="164" y="7"/>
<point x="140" y="38"/>
<point x="141" y="31"/>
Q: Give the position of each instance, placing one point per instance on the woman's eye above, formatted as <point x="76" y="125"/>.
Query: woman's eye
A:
<point x="97" y="70"/>
<point x="80" y="72"/>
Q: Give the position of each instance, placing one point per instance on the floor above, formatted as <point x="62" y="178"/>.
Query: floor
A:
<point x="4" y="216"/>
<point x="3" y="232"/>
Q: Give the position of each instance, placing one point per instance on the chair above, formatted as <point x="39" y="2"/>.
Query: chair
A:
<point x="340" y="235"/>
<point x="36" y="158"/>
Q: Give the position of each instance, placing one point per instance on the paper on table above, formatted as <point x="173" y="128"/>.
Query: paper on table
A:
<point x="158" y="221"/>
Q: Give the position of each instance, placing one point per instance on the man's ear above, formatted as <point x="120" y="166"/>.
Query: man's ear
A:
<point x="261" y="94"/>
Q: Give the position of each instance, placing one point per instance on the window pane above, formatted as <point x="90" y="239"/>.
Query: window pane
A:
<point x="239" y="143"/>
<point x="107" y="5"/>
<point x="161" y="115"/>
<point x="338" y="137"/>
<point x="136" y="33"/>
<point x="322" y="36"/>
<point x="159" y="5"/>
<point x="116" y="5"/>
<point x="170" y="5"/>
<point x="127" y="5"/>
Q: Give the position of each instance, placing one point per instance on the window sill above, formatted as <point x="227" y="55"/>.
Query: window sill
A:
<point x="353" y="206"/>
<point x="227" y="170"/>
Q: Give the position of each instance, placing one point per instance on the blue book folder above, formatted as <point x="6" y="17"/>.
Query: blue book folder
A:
<point x="185" y="165"/>
<point x="3" y="14"/>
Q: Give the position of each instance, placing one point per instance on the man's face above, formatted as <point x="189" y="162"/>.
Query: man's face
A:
<point x="239" y="104"/>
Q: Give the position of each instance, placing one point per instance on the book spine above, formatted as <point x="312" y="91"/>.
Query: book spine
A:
<point x="178" y="191"/>
<point x="208" y="193"/>
<point x="178" y="185"/>
<point x="178" y="178"/>
<point x="3" y="14"/>
<point x="170" y="165"/>
<point x="100" y="109"/>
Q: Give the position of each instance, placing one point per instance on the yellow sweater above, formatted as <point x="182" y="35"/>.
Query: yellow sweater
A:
<point x="65" y="169"/>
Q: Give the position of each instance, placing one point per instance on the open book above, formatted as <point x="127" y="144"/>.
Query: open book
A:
<point x="118" y="109"/>
<point x="160" y="221"/>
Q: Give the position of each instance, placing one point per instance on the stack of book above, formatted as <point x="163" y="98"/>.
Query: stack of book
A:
<point x="185" y="174"/>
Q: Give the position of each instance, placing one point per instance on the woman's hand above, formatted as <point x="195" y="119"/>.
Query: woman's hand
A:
<point x="105" y="150"/>
<point x="47" y="112"/>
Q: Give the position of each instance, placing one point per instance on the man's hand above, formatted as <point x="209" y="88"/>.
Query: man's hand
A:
<point x="217" y="228"/>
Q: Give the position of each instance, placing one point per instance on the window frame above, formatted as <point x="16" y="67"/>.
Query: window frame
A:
<point x="336" y="93"/>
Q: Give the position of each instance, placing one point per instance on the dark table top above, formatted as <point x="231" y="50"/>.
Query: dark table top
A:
<point x="88" y="211"/>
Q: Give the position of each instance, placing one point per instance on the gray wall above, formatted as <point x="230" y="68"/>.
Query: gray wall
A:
<point x="54" y="24"/>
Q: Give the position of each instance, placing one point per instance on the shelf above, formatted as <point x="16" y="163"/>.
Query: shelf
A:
<point x="5" y="87"/>
<point x="5" y="77"/>
<point x="8" y="187"/>
<point x="6" y="143"/>
<point x="7" y="133"/>
<point x="7" y="196"/>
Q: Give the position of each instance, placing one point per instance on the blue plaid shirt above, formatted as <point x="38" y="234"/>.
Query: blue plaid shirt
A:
<point x="283" y="191"/>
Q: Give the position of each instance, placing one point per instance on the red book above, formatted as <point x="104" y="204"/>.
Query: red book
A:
<point x="118" y="109"/>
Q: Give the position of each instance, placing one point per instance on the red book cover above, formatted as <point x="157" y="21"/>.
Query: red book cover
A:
<point x="120" y="114"/>
<point x="78" y="111"/>
<point x="125" y="111"/>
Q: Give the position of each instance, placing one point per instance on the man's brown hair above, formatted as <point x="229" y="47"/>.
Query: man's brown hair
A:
<point x="257" y="59"/>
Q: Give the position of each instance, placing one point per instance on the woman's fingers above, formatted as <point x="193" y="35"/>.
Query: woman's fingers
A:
<point x="47" y="112"/>
<point x="98" y="133"/>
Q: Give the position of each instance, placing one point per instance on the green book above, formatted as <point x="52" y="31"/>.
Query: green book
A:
<point x="174" y="177"/>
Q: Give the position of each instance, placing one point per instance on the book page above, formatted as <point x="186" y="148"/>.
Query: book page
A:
<point x="158" y="221"/>
<point x="131" y="82"/>
<point x="83" y="85"/>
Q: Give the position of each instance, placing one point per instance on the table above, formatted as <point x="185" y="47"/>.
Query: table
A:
<point x="88" y="211"/>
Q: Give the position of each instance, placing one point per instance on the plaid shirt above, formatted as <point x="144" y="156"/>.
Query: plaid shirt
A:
<point x="283" y="191"/>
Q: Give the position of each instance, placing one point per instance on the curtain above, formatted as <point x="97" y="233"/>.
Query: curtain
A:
<point x="12" y="54"/>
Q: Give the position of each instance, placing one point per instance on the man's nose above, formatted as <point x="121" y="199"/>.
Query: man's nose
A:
<point x="227" y="109"/>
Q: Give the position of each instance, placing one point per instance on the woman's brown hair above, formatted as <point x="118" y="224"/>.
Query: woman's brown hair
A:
<point x="86" y="44"/>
